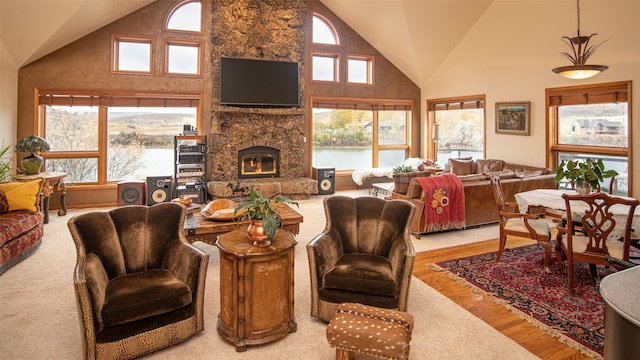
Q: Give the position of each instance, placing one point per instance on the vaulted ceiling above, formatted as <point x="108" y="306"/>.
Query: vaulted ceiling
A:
<point x="415" y="35"/>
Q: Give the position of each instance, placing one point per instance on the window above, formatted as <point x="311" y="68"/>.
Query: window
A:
<point x="456" y="127"/>
<point x="360" y="69"/>
<point x="183" y="57"/>
<point x="186" y="16"/>
<point x="324" y="67"/>
<point x="99" y="139"/>
<point x="592" y="121"/>
<point x="323" y="31"/>
<point x="132" y="54"/>
<point x="349" y="134"/>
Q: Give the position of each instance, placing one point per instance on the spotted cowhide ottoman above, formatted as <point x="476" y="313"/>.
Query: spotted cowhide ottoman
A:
<point x="357" y="328"/>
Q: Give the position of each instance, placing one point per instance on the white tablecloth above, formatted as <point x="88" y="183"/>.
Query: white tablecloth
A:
<point x="552" y="199"/>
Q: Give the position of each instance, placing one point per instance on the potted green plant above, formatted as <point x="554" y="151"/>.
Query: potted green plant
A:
<point x="5" y="163"/>
<point x="402" y="175"/>
<point x="586" y="175"/>
<point x="264" y="219"/>
<point x="32" y="144"/>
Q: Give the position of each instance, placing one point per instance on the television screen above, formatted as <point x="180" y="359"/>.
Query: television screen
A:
<point x="259" y="83"/>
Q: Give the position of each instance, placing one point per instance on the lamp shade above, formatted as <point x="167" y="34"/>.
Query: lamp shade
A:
<point x="580" y="71"/>
<point x="32" y="144"/>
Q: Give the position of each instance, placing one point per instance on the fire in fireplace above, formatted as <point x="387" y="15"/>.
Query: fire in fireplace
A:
<point x="258" y="162"/>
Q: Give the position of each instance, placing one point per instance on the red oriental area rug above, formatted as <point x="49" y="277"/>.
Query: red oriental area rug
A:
<point x="519" y="283"/>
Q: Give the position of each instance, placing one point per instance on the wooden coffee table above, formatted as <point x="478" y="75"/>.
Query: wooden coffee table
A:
<point x="198" y="228"/>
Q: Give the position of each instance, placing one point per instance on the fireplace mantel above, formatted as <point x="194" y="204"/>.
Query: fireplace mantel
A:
<point x="254" y="110"/>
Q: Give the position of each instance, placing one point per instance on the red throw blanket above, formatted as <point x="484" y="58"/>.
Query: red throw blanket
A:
<point x="443" y="202"/>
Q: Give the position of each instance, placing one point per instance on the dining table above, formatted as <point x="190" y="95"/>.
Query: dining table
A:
<point x="551" y="202"/>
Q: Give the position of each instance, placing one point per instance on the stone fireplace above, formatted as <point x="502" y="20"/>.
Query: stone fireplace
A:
<point x="258" y="162"/>
<point x="269" y="30"/>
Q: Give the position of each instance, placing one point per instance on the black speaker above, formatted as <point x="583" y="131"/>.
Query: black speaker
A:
<point x="131" y="192"/>
<point x="158" y="189"/>
<point x="326" y="180"/>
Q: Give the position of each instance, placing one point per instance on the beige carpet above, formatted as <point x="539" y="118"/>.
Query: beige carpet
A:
<point x="38" y="318"/>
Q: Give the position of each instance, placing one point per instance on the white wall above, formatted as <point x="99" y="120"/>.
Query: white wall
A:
<point x="8" y="97"/>
<point x="510" y="51"/>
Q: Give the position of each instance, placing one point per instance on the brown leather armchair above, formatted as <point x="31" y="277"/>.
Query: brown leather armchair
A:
<point x="139" y="285"/>
<point x="364" y="255"/>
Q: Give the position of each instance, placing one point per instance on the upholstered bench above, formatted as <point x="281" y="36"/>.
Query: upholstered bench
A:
<point x="357" y="328"/>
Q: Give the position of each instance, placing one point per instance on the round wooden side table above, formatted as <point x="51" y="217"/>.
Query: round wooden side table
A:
<point x="256" y="289"/>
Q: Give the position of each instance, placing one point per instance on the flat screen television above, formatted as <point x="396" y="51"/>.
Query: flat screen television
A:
<point x="258" y="83"/>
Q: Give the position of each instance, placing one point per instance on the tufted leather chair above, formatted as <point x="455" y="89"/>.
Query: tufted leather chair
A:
<point x="139" y="285"/>
<point x="364" y="255"/>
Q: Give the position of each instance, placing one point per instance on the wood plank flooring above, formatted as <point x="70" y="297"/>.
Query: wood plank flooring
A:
<point x="521" y="331"/>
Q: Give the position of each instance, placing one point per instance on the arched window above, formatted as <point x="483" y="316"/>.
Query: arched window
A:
<point x="324" y="64"/>
<point x="185" y="16"/>
<point x="324" y="32"/>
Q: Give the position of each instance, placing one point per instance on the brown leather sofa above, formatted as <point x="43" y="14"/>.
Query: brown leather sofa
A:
<point x="479" y="202"/>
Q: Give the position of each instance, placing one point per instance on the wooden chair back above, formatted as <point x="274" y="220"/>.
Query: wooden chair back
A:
<point x="598" y="221"/>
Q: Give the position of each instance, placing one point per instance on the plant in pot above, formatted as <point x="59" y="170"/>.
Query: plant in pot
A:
<point x="264" y="219"/>
<point x="32" y="144"/>
<point x="584" y="175"/>
<point x="402" y="175"/>
<point x="5" y="163"/>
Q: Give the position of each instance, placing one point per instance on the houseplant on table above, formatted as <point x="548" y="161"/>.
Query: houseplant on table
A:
<point x="402" y="175"/>
<point x="586" y="175"/>
<point x="264" y="219"/>
<point x="32" y="144"/>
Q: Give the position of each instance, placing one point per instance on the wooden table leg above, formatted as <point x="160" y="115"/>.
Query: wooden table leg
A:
<point x="63" y="199"/>
<point x="45" y="208"/>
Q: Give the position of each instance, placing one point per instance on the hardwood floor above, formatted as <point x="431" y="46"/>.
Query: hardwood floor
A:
<point x="521" y="331"/>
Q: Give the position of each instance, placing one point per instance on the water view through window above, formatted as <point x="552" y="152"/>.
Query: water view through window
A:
<point x="139" y="141"/>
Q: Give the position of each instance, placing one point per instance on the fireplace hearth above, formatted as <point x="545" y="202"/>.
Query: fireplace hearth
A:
<point x="258" y="162"/>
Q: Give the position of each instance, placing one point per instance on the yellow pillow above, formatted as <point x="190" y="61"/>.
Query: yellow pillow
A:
<point x="23" y="195"/>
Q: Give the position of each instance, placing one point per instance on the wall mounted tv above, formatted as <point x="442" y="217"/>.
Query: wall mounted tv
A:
<point x="258" y="83"/>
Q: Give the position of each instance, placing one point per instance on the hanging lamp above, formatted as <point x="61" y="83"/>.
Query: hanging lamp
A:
<point x="581" y="51"/>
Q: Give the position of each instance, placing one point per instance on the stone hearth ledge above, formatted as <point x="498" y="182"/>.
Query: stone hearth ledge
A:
<point x="299" y="188"/>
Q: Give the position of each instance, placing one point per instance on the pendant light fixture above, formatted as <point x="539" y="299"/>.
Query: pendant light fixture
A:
<point x="581" y="51"/>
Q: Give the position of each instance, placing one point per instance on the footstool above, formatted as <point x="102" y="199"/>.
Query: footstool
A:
<point x="357" y="328"/>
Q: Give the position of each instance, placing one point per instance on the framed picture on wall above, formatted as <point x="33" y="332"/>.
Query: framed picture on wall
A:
<point x="512" y="118"/>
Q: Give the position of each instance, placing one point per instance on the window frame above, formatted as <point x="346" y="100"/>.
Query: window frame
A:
<point x="336" y="66"/>
<point x="329" y="25"/>
<point x="199" y="45"/>
<point x="374" y="105"/>
<point x="453" y="103"/>
<point x="369" y="59"/>
<point x="177" y="6"/>
<point x="116" y="39"/>
<point x="583" y="95"/>
<point x="104" y="100"/>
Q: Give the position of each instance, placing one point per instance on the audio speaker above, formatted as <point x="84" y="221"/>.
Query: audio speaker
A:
<point x="158" y="189"/>
<point x="326" y="180"/>
<point x="131" y="192"/>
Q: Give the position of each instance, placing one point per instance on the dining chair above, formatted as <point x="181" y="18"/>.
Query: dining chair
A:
<point x="594" y="242"/>
<point x="576" y="217"/>
<point x="514" y="223"/>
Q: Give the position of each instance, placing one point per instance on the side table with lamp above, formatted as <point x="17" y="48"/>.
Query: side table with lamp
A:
<point x="31" y="165"/>
<point x="52" y="182"/>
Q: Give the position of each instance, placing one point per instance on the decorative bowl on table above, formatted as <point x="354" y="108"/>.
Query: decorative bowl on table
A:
<point x="219" y="209"/>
